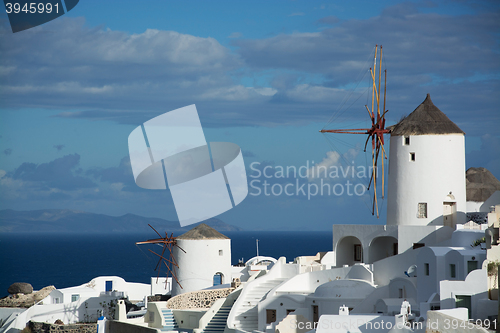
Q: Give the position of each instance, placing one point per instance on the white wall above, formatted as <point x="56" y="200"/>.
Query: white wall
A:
<point x="459" y="258"/>
<point x="134" y="291"/>
<point x="438" y="169"/>
<point x="200" y="262"/>
<point x="475" y="285"/>
<point x="393" y="267"/>
<point x="161" y="285"/>
<point x="465" y="237"/>
<point x="429" y="235"/>
<point x="406" y="284"/>
<point x="429" y="284"/>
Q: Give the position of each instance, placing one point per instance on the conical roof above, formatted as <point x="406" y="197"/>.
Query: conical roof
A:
<point x="202" y="231"/>
<point x="426" y="119"/>
<point x="481" y="184"/>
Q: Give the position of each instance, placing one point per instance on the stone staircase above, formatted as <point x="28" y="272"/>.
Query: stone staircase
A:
<point x="169" y="323"/>
<point x="218" y="322"/>
<point x="245" y="308"/>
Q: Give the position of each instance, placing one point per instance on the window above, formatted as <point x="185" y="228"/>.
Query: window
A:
<point x="426" y="268"/>
<point x="288" y="311"/>
<point x="412" y="157"/>
<point x="418" y="245"/>
<point x="221" y="252"/>
<point x="400" y="293"/>
<point x="357" y="252"/>
<point x="75" y="297"/>
<point x="422" y="210"/>
<point x="394" y="248"/>
<point x="406" y="140"/>
<point x="270" y="316"/>
<point x="453" y="271"/>
<point x="56" y="300"/>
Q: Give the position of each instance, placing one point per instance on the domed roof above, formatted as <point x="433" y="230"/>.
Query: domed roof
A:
<point x="426" y="119"/>
<point x="357" y="289"/>
<point x="202" y="231"/>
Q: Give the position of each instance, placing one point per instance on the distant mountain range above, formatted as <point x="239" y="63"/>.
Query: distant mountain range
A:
<point x="73" y="221"/>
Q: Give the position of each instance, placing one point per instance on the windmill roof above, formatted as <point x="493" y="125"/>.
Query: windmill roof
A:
<point x="480" y="184"/>
<point x="426" y="119"/>
<point x="202" y="231"/>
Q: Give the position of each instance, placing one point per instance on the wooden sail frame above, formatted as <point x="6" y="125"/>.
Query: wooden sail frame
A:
<point x="168" y="242"/>
<point x="377" y="130"/>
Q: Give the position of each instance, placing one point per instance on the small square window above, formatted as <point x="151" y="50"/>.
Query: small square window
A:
<point x="270" y="316"/>
<point x="221" y="252"/>
<point x="422" y="210"/>
<point x="406" y="141"/>
<point x="426" y="268"/>
<point x="75" y="298"/>
<point x="412" y="157"/>
<point x="453" y="271"/>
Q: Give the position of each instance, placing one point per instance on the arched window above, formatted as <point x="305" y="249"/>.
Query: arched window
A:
<point x="218" y="279"/>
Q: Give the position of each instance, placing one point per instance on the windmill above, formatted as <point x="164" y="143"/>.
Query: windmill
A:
<point x="377" y="130"/>
<point x="168" y="244"/>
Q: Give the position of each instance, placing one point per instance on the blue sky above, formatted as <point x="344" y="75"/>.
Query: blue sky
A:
<point x="266" y="75"/>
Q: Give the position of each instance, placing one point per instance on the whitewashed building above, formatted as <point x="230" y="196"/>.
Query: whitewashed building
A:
<point x="204" y="258"/>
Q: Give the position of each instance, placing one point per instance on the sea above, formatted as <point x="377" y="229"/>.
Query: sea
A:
<point x="67" y="260"/>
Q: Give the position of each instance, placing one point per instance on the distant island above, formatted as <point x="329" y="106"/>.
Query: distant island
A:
<point x="73" y="221"/>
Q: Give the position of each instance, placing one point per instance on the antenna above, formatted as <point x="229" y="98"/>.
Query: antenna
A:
<point x="257" y="241"/>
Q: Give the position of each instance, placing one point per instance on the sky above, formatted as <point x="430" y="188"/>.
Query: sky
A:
<point x="266" y="75"/>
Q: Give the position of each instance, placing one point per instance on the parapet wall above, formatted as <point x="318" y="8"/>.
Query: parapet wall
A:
<point x="54" y="328"/>
<point x="202" y="299"/>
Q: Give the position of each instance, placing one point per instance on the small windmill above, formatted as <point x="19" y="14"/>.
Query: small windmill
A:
<point x="377" y="131"/>
<point x="168" y="243"/>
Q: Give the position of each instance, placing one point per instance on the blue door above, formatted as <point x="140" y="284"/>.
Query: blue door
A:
<point x="217" y="279"/>
<point x="109" y="285"/>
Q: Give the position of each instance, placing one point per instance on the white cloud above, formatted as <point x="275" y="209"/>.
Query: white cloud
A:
<point x="333" y="162"/>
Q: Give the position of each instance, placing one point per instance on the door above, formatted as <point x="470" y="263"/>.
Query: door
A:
<point x="471" y="265"/>
<point x="463" y="301"/>
<point x="449" y="214"/>
<point x="315" y="314"/>
<point x="109" y="285"/>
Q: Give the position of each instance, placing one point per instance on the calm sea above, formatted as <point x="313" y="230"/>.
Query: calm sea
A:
<point x="71" y="260"/>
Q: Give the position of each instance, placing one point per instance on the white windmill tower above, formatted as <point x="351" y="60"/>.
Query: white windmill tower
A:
<point x="426" y="170"/>
<point x="204" y="261"/>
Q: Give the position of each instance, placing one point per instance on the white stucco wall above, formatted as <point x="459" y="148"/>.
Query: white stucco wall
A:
<point x="459" y="258"/>
<point x="438" y="169"/>
<point x="354" y="323"/>
<point x="475" y="285"/>
<point x="135" y="291"/>
<point x="393" y="267"/>
<point x="465" y="237"/>
<point x="200" y="262"/>
<point x="161" y="285"/>
<point x="429" y="284"/>
<point x="473" y="206"/>
<point x="428" y="235"/>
